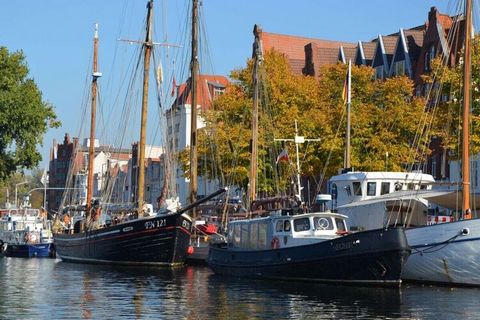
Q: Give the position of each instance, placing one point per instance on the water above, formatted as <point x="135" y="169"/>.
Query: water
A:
<point x="51" y="289"/>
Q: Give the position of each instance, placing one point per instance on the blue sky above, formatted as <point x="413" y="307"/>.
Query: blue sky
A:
<point x="56" y="35"/>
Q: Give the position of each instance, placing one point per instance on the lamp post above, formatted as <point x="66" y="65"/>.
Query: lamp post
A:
<point x="16" y="185"/>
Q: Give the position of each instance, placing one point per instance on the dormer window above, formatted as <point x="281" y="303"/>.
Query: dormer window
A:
<point x="379" y="73"/>
<point x="399" y="68"/>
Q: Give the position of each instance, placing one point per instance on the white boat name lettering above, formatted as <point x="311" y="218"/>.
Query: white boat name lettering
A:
<point x="127" y="229"/>
<point x="343" y="246"/>
<point x="155" y="224"/>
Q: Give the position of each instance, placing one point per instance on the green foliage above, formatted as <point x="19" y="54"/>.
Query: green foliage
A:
<point x="385" y="118"/>
<point x="24" y="117"/>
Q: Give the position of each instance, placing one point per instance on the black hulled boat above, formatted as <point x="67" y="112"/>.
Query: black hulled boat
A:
<point x="311" y="247"/>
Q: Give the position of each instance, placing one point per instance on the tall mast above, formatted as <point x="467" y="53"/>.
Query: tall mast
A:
<point x="349" y="100"/>
<point x="91" y="149"/>
<point x="193" y="113"/>
<point x="254" y="142"/>
<point x="467" y="77"/>
<point x="143" y="126"/>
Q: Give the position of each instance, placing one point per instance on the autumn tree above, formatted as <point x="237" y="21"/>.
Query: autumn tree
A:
<point x="24" y="116"/>
<point x="385" y="118"/>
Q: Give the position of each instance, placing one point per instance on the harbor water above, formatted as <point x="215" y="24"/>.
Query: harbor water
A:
<point x="51" y="289"/>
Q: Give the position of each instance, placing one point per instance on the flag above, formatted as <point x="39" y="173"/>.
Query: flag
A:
<point x="174" y="86"/>
<point x="44" y="178"/>
<point x="346" y="93"/>
<point x="283" y="156"/>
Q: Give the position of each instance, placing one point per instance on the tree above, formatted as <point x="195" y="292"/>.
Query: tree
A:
<point x="24" y="117"/>
<point x="385" y="118"/>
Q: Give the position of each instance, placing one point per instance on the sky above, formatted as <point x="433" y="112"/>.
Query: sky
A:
<point x="56" y="37"/>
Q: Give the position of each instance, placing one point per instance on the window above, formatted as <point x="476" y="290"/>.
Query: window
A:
<point x="236" y="235"/>
<point x="429" y="55"/>
<point x="301" y="224"/>
<point x="262" y="235"/>
<point x="244" y="236"/>
<point x="385" y="188"/>
<point x="253" y="239"/>
<point x="340" y="224"/>
<point x="475" y="173"/>
<point x="379" y="73"/>
<point x="357" y="188"/>
<point x="371" y="188"/>
<point x="399" y="68"/>
<point x="279" y="226"/>
<point x="287" y="226"/>
<point x="218" y="92"/>
<point x="323" y="223"/>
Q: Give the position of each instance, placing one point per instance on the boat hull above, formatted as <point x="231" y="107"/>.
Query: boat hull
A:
<point x="373" y="257"/>
<point x="39" y="250"/>
<point x="159" y="241"/>
<point x="447" y="253"/>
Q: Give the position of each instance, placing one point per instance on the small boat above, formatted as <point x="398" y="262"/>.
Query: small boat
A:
<point x="310" y="247"/>
<point x="25" y="233"/>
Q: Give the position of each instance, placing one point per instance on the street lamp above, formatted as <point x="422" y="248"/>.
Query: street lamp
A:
<point x="16" y="185"/>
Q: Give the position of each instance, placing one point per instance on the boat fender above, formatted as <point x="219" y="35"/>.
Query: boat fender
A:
<point x="343" y="233"/>
<point x="275" y="243"/>
<point x="190" y="250"/>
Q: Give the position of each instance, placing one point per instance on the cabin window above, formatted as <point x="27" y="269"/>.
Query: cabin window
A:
<point x="287" y="226"/>
<point x="262" y="235"/>
<point x="279" y="226"/>
<point x="236" y="235"/>
<point x="348" y="191"/>
<point x="302" y="224"/>
<point x="340" y="224"/>
<point x="323" y="223"/>
<point x="371" y="188"/>
<point x="253" y="239"/>
<point x="244" y="236"/>
<point x="385" y="188"/>
<point x="357" y="188"/>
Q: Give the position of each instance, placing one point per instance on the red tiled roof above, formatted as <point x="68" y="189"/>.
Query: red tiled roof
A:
<point x="205" y="94"/>
<point x="389" y="43"/>
<point x="293" y="46"/>
<point x="369" y="50"/>
<point x="349" y="53"/>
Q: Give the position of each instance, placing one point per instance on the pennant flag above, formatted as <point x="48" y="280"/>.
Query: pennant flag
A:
<point x="174" y="86"/>
<point x="283" y="156"/>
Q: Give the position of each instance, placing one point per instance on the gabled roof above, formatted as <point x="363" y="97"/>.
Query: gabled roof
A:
<point x="346" y="53"/>
<point x="294" y="48"/>
<point x="407" y="49"/>
<point x="205" y="90"/>
<point x="384" y="52"/>
<point x="364" y="53"/>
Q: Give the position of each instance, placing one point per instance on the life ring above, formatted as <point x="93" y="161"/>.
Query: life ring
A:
<point x="275" y="243"/>
<point x="30" y="237"/>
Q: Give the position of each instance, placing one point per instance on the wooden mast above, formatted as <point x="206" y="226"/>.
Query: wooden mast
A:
<point x="254" y="141"/>
<point x="91" y="149"/>
<point x="143" y="126"/>
<point x="194" y="70"/>
<point x="467" y="77"/>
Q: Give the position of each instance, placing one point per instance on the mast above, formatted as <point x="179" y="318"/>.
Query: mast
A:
<point x="193" y="113"/>
<point x="254" y="142"/>
<point x="143" y="126"/>
<point x="91" y="149"/>
<point x="298" y="140"/>
<point x="467" y="77"/>
<point x="349" y="100"/>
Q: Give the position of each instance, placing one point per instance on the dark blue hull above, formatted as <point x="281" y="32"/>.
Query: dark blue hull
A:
<point x="162" y="241"/>
<point x="40" y="250"/>
<point x="373" y="257"/>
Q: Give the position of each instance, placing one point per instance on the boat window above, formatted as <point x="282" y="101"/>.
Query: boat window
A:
<point x="323" y="223"/>
<point x="410" y="186"/>
<point x="371" y="188"/>
<point x="262" y="235"/>
<point x="287" y="226"/>
<point x="236" y="235"/>
<point x="385" y="188"/>
<point x="348" y="190"/>
<point x="357" y="188"/>
<point x="340" y="224"/>
<point x="253" y="239"/>
<point x="301" y="224"/>
<point x="244" y="236"/>
<point x="423" y="187"/>
<point x="279" y="226"/>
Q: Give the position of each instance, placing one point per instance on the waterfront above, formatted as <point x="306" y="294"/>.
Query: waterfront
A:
<point x="47" y="288"/>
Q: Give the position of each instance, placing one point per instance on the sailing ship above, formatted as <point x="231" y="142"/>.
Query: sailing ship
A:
<point x="445" y="250"/>
<point x="142" y="237"/>
<point x="293" y="245"/>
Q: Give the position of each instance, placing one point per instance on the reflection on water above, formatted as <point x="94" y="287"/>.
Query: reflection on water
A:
<point x="45" y="288"/>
